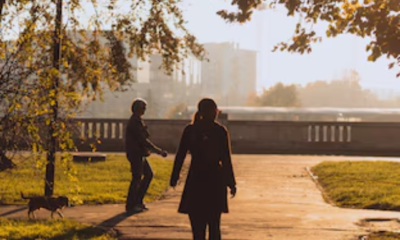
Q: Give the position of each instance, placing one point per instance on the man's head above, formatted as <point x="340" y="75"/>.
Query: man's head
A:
<point x="138" y="107"/>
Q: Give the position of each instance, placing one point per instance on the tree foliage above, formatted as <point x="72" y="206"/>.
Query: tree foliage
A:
<point x="377" y="19"/>
<point x="279" y="95"/>
<point x="345" y="92"/>
<point x="94" y="56"/>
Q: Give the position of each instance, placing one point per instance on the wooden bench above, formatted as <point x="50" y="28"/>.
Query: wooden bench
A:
<point x="89" y="157"/>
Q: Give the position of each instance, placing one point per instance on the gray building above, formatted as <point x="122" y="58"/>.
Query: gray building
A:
<point x="160" y="90"/>
<point x="230" y="75"/>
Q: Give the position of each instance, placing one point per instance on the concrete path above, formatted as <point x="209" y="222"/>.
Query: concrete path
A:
<point x="276" y="200"/>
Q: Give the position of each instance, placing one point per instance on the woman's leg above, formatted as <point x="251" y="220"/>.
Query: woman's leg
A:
<point x="199" y="224"/>
<point x="214" y="222"/>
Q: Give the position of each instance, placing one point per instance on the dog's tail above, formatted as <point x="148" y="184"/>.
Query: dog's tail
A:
<point x="22" y="196"/>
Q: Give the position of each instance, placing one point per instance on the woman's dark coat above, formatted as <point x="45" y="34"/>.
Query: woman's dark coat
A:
<point x="210" y="171"/>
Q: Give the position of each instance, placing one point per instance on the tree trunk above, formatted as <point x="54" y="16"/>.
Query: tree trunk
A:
<point x="51" y="156"/>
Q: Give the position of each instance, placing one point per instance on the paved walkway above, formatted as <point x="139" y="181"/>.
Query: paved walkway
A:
<point x="276" y="200"/>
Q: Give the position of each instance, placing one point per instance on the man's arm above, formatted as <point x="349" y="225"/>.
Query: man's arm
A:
<point x="143" y="140"/>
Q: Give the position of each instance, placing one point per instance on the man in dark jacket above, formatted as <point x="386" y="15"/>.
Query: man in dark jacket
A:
<point x="138" y="147"/>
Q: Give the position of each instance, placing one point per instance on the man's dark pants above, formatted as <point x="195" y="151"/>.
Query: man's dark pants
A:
<point x="141" y="178"/>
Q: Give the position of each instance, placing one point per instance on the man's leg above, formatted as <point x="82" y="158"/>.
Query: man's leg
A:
<point x="132" y="193"/>
<point x="199" y="224"/>
<point x="136" y="169"/>
<point x="214" y="222"/>
<point x="145" y="182"/>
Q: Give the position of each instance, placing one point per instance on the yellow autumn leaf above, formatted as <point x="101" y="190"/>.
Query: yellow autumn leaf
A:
<point x="371" y="58"/>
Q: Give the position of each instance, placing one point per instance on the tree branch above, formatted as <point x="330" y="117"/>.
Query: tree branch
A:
<point x="2" y="3"/>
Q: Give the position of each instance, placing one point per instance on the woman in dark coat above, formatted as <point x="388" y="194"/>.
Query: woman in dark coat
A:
<point x="204" y="196"/>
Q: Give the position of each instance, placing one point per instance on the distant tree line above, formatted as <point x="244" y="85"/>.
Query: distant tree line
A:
<point x="345" y="92"/>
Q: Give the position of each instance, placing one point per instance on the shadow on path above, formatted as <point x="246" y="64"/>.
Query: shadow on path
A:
<point x="13" y="211"/>
<point x="113" y="221"/>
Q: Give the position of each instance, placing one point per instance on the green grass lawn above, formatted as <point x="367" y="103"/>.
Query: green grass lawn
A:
<point x="50" y="229"/>
<point x="361" y="184"/>
<point x="97" y="182"/>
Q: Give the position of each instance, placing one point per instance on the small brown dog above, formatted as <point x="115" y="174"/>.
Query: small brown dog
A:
<point x="53" y="204"/>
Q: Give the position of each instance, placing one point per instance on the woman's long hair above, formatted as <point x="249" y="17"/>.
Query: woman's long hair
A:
<point x="207" y="110"/>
